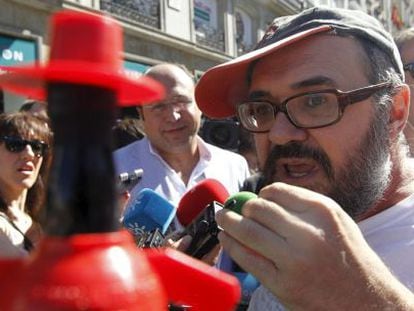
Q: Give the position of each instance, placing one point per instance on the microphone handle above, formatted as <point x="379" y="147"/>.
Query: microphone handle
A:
<point x="206" y="247"/>
<point x="153" y="239"/>
<point x="204" y="232"/>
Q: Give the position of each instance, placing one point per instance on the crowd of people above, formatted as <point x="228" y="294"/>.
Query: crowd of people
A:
<point x="326" y="97"/>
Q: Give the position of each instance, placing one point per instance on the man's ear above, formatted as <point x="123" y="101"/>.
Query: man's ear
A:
<point x="400" y="109"/>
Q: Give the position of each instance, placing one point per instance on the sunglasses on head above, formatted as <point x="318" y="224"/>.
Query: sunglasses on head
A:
<point x="410" y="68"/>
<point x="16" y="145"/>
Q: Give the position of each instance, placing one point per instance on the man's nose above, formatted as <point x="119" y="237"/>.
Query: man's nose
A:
<point x="174" y="112"/>
<point x="283" y="131"/>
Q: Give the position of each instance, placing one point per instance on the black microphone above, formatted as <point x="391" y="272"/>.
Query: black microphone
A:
<point x="204" y="231"/>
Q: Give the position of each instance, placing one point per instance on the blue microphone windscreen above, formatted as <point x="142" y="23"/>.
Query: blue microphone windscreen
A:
<point x="148" y="211"/>
<point x="248" y="282"/>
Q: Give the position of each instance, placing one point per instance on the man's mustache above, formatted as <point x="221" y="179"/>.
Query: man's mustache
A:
<point x="297" y="150"/>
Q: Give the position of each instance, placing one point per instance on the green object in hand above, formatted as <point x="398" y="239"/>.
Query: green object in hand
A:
<point x="236" y="201"/>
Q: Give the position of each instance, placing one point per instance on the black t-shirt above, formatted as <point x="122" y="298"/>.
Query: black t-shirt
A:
<point x="254" y="183"/>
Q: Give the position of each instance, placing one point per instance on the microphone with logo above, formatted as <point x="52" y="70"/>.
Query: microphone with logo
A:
<point x="148" y="217"/>
<point x="248" y="282"/>
<point x="196" y="211"/>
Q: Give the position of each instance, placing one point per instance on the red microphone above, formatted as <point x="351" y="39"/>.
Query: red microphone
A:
<point x="198" y="198"/>
<point x="196" y="211"/>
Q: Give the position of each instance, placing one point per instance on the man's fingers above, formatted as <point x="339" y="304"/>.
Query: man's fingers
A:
<point x="211" y="257"/>
<point x="271" y="216"/>
<point x="180" y="245"/>
<point x="291" y="212"/>
<point x="252" y="234"/>
<point x="294" y="199"/>
<point x="249" y="260"/>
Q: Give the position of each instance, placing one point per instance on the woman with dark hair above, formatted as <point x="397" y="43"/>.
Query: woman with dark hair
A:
<point x="24" y="164"/>
<point x="35" y="107"/>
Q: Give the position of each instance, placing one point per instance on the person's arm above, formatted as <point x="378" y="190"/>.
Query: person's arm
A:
<point x="309" y="253"/>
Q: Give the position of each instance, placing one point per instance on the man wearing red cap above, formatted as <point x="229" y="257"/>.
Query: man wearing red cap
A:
<point x="333" y="227"/>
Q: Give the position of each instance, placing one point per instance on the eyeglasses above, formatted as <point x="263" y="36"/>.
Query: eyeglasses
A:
<point x="163" y="107"/>
<point x="16" y="145"/>
<point x="306" y="110"/>
<point x="410" y="68"/>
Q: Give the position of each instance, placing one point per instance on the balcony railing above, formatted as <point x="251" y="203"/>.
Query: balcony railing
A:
<point x="146" y="12"/>
<point x="210" y="37"/>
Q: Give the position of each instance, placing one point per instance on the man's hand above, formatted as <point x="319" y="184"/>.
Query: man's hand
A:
<point x="123" y="199"/>
<point x="180" y="245"/>
<point x="184" y="242"/>
<point x="309" y="253"/>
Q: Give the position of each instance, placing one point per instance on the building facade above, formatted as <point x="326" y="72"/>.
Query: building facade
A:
<point x="196" y="33"/>
<point x="395" y="15"/>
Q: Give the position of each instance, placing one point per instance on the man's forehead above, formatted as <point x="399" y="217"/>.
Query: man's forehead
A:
<point x="309" y="65"/>
<point x="179" y="90"/>
<point x="300" y="83"/>
<point x="320" y="53"/>
<point x="174" y="95"/>
<point x="328" y="43"/>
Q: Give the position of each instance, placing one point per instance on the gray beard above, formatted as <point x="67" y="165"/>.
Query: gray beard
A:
<point x="363" y="184"/>
<point x="366" y="177"/>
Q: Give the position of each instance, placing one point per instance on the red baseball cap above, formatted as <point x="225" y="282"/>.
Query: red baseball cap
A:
<point x="222" y="87"/>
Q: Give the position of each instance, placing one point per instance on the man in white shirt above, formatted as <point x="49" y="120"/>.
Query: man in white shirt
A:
<point x="333" y="227"/>
<point x="174" y="158"/>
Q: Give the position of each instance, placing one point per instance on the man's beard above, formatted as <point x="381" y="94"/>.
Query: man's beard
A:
<point x="363" y="179"/>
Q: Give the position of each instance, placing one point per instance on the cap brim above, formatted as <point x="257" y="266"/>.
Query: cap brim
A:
<point x="31" y="81"/>
<point x="222" y="87"/>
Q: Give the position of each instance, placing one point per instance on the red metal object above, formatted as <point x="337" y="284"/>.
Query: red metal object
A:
<point x="10" y="276"/>
<point x="89" y="272"/>
<point x="108" y="272"/>
<point x="191" y="282"/>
